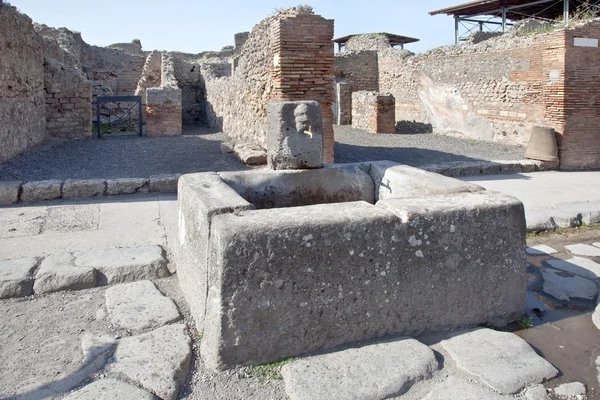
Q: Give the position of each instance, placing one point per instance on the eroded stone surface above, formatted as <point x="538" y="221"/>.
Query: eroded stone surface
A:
<point x="82" y="188"/>
<point x="159" y="361"/>
<point x="540" y="250"/>
<point x="584" y="250"/>
<point x="59" y="272"/>
<point x="537" y="392"/>
<point x="501" y="360"/>
<point x="250" y="154"/>
<point x="374" y="371"/>
<point x="41" y="190"/>
<point x="139" y="305"/>
<point x="126" y="185"/>
<point x="94" y="346"/>
<point x="580" y="266"/>
<point x="455" y="388"/>
<point x="564" y="286"/>
<point x="164" y="183"/>
<point x="15" y="277"/>
<point x="110" y="389"/>
<point x="9" y="192"/>
<point x="117" y="265"/>
<point x="570" y="390"/>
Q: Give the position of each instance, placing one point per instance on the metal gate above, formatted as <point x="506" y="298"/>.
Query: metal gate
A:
<point x="118" y="116"/>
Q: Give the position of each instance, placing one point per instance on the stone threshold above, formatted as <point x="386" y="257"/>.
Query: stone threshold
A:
<point x="495" y="167"/>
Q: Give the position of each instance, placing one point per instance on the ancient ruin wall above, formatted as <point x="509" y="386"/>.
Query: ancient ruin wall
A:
<point x="373" y="112"/>
<point x="288" y="56"/>
<point x="356" y="71"/>
<point x="22" y="101"/>
<point x="68" y="101"/>
<point x="495" y="90"/>
<point x="163" y="104"/>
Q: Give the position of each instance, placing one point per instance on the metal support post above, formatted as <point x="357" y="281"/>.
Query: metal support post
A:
<point x="456" y="25"/>
<point x="503" y="19"/>
<point x="566" y="11"/>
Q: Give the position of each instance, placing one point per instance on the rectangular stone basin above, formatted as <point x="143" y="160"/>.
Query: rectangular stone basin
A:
<point x="281" y="263"/>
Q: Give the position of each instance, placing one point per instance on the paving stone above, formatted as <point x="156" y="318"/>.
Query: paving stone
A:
<point x="110" y="389"/>
<point x="82" y="188"/>
<point x="564" y="286"/>
<point x="455" y="388"/>
<point x="584" y="250"/>
<point x="126" y="186"/>
<point x="118" y="265"/>
<point x="375" y="371"/>
<point x="41" y="190"/>
<point x="570" y="390"/>
<point x="540" y="250"/>
<point x="59" y="272"/>
<point x="540" y="220"/>
<point x="159" y="361"/>
<point x="96" y="345"/>
<point x="9" y="192"/>
<point x="15" y="277"/>
<point x="580" y="266"/>
<point x="164" y="183"/>
<point x="140" y="305"/>
<point x="250" y="154"/>
<point x="596" y="316"/>
<point x="500" y="360"/>
<point x="537" y="392"/>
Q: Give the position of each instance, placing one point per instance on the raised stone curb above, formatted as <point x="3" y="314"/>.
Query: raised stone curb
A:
<point x="250" y="154"/>
<point x="16" y="278"/>
<point x="377" y="371"/>
<point x="159" y="360"/>
<point x="76" y="189"/>
<point x="9" y="192"/>
<point x="501" y="360"/>
<point x="164" y="183"/>
<point x="139" y="305"/>
<point x="41" y="190"/>
<point x="59" y="272"/>
<point x="110" y="389"/>
<point x="473" y="168"/>
<point x="126" y="186"/>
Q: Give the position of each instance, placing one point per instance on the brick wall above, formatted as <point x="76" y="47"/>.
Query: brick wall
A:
<point x="360" y="71"/>
<point x="164" y="104"/>
<point x="373" y="112"/>
<point x="343" y="103"/>
<point x="68" y="99"/>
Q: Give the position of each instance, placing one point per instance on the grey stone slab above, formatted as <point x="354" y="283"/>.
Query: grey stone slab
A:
<point x="126" y="186"/>
<point x="18" y="222"/>
<point x="200" y="197"/>
<point x="94" y="346"/>
<point x="288" y="281"/>
<point x="580" y="266"/>
<point x="454" y="388"/>
<point x="536" y="392"/>
<point x="72" y="218"/>
<point x="588" y="212"/>
<point x="597" y="244"/>
<point x="401" y="181"/>
<point x="159" y="360"/>
<point x="82" y="188"/>
<point x="9" y="192"/>
<point x="540" y="220"/>
<point x="571" y="390"/>
<point x="139" y="305"/>
<point x="16" y="278"/>
<point x="501" y="360"/>
<point x="294" y="135"/>
<point x="59" y="272"/>
<point x="584" y="250"/>
<point x="164" y="183"/>
<point x="376" y="371"/>
<point x="540" y="250"/>
<point x="564" y="286"/>
<point x="226" y="148"/>
<point x="41" y="190"/>
<point x="106" y="389"/>
<point x="250" y="154"/>
<point x="128" y="264"/>
<point x="293" y="188"/>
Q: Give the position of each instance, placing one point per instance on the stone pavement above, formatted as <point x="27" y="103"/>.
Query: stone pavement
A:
<point x="552" y="199"/>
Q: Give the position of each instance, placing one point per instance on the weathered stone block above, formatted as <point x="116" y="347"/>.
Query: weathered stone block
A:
<point x="250" y="154"/>
<point x="126" y="186"/>
<point x="76" y="188"/>
<point x="41" y="190"/>
<point x="294" y="135"/>
<point x="59" y="272"/>
<point x="9" y="192"/>
<point x="164" y="183"/>
<point x="15" y="277"/>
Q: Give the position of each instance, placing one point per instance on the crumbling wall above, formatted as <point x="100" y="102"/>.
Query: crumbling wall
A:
<point x="368" y="41"/>
<point x="288" y="56"/>
<point x="373" y="112"/>
<point x="188" y="75"/>
<point x="68" y="101"/>
<point x="163" y="104"/>
<point x="22" y="105"/>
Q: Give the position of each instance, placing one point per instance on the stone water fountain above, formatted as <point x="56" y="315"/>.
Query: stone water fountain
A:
<point x="303" y="257"/>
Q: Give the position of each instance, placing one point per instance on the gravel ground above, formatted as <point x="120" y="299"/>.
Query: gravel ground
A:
<point x="198" y="150"/>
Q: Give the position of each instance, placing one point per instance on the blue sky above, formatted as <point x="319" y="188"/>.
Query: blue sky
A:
<point x="199" y="25"/>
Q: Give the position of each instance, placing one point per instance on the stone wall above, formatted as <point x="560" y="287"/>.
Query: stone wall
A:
<point x="164" y="104"/>
<point x="68" y="101"/>
<point x="373" y="112"/>
<point x="288" y="56"/>
<point x="22" y="100"/>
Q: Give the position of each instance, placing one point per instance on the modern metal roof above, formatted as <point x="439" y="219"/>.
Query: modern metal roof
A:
<point x="394" y="39"/>
<point x="516" y="9"/>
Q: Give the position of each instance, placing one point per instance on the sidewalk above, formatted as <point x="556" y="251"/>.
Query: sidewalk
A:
<point x="552" y="199"/>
